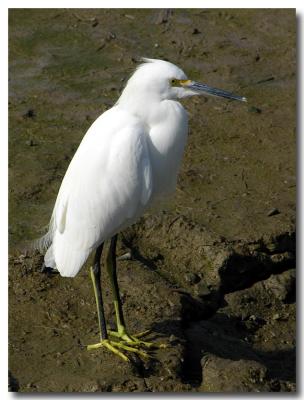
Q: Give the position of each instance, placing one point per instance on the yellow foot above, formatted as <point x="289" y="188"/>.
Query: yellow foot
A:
<point x="115" y="348"/>
<point x="134" y="340"/>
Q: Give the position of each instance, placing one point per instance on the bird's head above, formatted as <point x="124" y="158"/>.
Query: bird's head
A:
<point x="163" y="80"/>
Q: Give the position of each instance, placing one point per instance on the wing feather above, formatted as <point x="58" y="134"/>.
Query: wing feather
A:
<point x="106" y="187"/>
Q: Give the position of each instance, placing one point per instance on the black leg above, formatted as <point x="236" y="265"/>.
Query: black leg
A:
<point x="111" y="266"/>
<point x="96" y="279"/>
<point x="121" y="332"/>
<point x="113" y="346"/>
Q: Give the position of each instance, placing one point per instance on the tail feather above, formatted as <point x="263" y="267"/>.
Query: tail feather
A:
<point x="49" y="258"/>
<point x="43" y="243"/>
<point x="69" y="258"/>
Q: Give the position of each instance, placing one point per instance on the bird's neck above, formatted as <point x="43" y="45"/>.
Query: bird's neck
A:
<point x="139" y="104"/>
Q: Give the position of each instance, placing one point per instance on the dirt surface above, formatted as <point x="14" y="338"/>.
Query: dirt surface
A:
<point x="212" y="272"/>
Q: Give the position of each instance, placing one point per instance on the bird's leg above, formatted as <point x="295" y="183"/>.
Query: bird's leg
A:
<point x="111" y="267"/>
<point x="121" y="332"/>
<point x="104" y="340"/>
<point x="96" y="279"/>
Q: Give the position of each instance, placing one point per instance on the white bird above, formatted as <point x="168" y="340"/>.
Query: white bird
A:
<point x="128" y="159"/>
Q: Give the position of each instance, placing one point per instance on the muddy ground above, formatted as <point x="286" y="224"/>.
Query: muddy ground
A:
<point x="213" y="271"/>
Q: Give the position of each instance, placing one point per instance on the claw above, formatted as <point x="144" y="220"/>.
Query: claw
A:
<point x="149" y="345"/>
<point x="134" y="341"/>
<point x="110" y="346"/>
<point x="132" y="349"/>
<point x="142" y="334"/>
<point x="115" y="346"/>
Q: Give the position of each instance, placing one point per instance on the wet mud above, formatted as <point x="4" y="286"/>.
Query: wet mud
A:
<point x="212" y="271"/>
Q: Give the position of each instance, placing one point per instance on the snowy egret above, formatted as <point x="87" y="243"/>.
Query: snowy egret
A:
<point x="128" y="159"/>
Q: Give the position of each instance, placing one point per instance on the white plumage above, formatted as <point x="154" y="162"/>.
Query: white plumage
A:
<point x="125" y="161"/>
<point x="129" y="158"/>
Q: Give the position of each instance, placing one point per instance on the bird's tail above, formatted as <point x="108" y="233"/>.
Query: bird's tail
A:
<point x="44" y="242"/>
<point x="41" y="244"/>
<point x="44" y="245"/>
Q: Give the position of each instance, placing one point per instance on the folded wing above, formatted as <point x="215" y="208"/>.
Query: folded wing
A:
<point x="106" y="187"/>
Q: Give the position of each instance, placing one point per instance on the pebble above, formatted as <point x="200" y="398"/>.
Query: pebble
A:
<point x="172" y="338"/>
<point x="102" y="45"/>
<point x="110" y="36"/>
<point x="29" y="114"/>
<point x="195" y="31"/>
<point x="30" y="142"/>
<point x="126" y="256"/>
<point x="273" y="211"/>
<point x="129" y="16"/>
<point x="30" y="385"/>
<point x="192" y="278"/>
<point x="202" y="289"/>
<point x="171" y="304"/>
<point x="255" y="110"/>
<point x="163" y="16"/>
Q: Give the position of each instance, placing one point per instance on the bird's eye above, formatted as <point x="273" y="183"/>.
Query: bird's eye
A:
<point x="173" y="81"/>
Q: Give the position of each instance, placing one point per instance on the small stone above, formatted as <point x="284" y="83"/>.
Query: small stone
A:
<point x="222" y="239"/>
<point x="163" y="16"/>
<point x="273" y="211"/>
<point x="102" y="45"/>
<point x="202" y="289"/>
<point x="29" y="114"/>
<point x="255" y="110"/>
<point x="276" y="316"/>
<point x="172" y="338"/>
<point x="156" y="45"/>
<point x="129" y="16"/>
<point x="171" y="304"/>
<point x="111" y="36"/>
<point x="195" y="31"/>
<point x="192" y="278"/>
<point x="126" y="256"/>
<point x="30" y="142"/>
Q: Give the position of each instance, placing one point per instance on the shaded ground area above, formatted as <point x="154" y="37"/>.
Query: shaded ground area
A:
<point x="212" y="272"/>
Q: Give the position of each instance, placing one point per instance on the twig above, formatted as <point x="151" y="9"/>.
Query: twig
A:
<point x="79" y="18"/>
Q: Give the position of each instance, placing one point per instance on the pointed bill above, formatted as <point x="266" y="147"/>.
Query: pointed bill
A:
<point x="203" y="88"/>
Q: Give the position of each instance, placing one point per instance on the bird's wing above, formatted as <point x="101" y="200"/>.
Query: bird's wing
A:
<point x="107" y="185"/>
